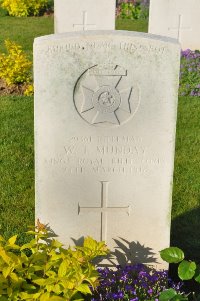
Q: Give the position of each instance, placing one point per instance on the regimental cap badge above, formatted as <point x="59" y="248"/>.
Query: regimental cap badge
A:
<point x="105" y="96"/>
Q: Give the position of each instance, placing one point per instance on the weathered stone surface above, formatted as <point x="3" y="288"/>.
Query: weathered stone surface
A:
<point x="105" y="119"/>
<point x="78" y="15"/>
<point x="177" y="19"/>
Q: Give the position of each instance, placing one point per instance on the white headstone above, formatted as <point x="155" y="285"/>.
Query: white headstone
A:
<point x="78" y="15"/>
<point x="178" y="19"/>
<point x="105" y="120"/>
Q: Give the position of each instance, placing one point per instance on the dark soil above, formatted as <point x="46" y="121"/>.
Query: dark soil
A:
<point x="11" y="90"/>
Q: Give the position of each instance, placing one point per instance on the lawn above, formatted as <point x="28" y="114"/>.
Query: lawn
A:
<point x="17" y="156"/>
<point x="24" y="30"/>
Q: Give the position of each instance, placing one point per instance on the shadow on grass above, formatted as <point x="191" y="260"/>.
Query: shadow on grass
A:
<point x="185" y="234"/>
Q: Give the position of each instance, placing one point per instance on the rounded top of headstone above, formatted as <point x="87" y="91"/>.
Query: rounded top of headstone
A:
<point x="111" y="33"/>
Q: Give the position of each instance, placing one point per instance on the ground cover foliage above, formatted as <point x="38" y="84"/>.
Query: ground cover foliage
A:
<point x="44" y="270"/>
<point x="17" y="163"/>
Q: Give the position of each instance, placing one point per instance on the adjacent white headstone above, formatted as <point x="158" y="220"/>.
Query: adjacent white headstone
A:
<point x="105" y="120"/>
<point x="78" y="15"/>
<point x="177" y="19"/>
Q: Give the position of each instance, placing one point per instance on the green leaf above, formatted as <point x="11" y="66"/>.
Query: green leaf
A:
<point x="32" y="232"/>
<point x="40" y="282"/>
<point x="12" y="240"/>
<point x="29" y="245"/>
<point x="56" y="298"/>
<point x="167" y="295"/>
<point x="179" y="297"/>
<point x="44" y="282"/>
<point x="4" y="256"/>
<point x="28" y="287"/>
<point x="26" y="296"/>
<point x="6" y="271"/>
<point x="9" y="291"/>
<point x="57" y="288"/>
<point x="84" y="288"/>
<point x="172" y="255"/>
<point x="45" y="297"/>
<point x="14" y="277"/>
<point x="186" y="270"/>
<point x="62" y="269"/>
<point x="56" y="244"/>
<point x="197" y="274"/>
<point x="171" y="295"/>
<point x="36" y="268"/>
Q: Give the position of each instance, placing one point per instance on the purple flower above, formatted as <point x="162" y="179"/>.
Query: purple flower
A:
<point x="189" y="73"/>
<point x="132" y="282"/>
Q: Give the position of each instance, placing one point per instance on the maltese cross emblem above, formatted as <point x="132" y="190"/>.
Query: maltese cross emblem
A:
<point x="104" y="96"/>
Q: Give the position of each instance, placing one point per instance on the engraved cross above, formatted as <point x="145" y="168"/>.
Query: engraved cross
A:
<point x="104" y="209"/>
<point x="179" y="28"/>
<point x="84" y="25"/>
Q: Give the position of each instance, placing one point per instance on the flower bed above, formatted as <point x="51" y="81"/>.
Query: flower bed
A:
<point x="133" y="283"/>
<point x="190" y="73"/>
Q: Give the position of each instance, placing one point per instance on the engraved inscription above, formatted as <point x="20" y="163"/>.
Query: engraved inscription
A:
<point x="107" y="155"/>
<point x="133" y="48"/>
<point x="104" y="95"/>
<point x="104" y="209"/>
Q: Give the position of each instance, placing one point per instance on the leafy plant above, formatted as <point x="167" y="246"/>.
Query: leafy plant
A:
<point x="130" y="11"/>
<point x="15" y="68"/>
<point x="43" y="271"/>
<point x="132" y="283"/>
<point x="29" y="90"/>
<point x="186" y="270"/>
<point x="24" y="8"/>
<point x="172" y="295"/>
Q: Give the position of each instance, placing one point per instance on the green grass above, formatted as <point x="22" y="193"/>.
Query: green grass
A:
<point x="24" y="30"/>
<point x="16" y="165"/>
<point x="186" y="192"/>
<point x="17" y="169"/>
<point x="136" y="25"/>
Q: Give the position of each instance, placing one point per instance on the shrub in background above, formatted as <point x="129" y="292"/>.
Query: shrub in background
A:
<point x="130" y="11"/>
<point x="46" y="271"/>
<point x="133" y="283"/>
<point x="15" y="68"/>
<point x="24" y="8"/>
<point x="133" y="9"/>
